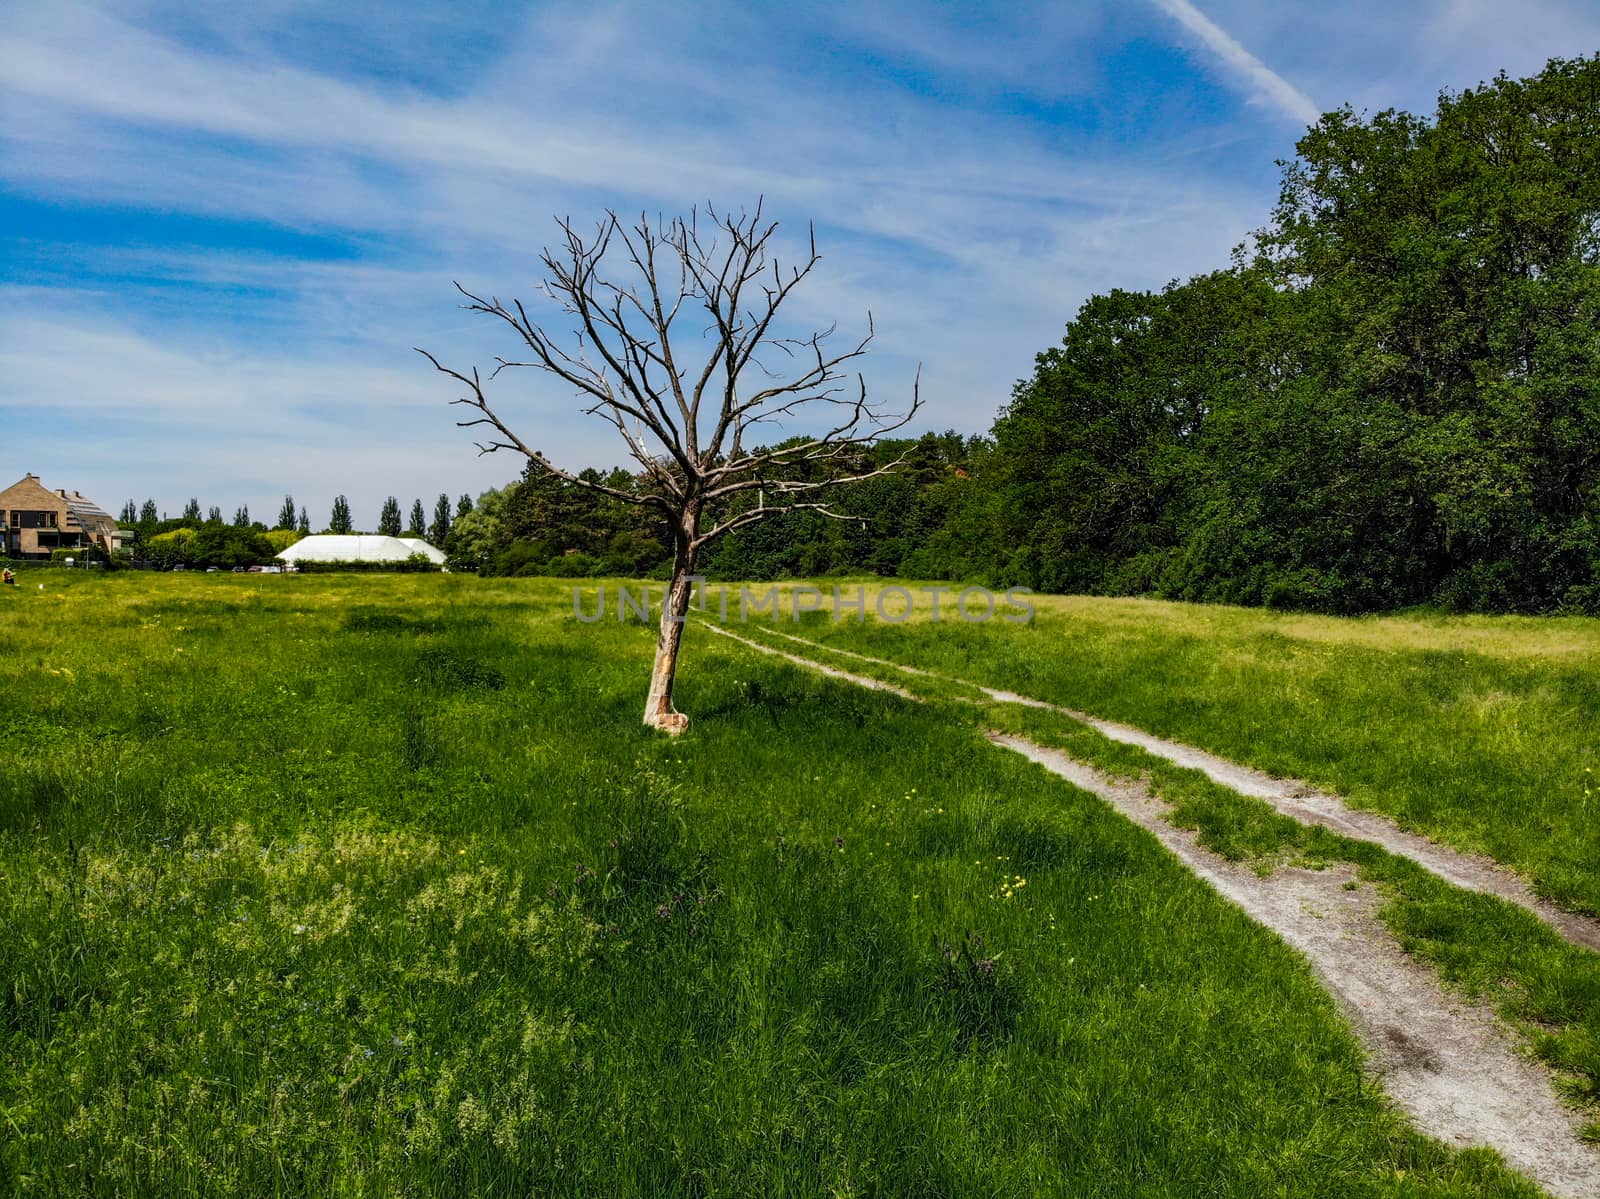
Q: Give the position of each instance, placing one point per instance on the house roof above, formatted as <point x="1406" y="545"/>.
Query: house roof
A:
<point x="89" y="514"/>
<point x="29" y="493"/>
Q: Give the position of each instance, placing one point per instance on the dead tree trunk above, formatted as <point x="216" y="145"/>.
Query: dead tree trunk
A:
<point x="658" y="710"/>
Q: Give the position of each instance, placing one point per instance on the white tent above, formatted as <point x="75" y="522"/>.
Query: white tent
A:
<point x="359" y="547"/>
<point x="419" y="546"/>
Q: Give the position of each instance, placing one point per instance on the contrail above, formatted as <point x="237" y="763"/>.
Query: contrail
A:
<point x="1267" y="84"/>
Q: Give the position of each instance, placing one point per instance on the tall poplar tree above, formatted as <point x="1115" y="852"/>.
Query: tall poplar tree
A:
<point x="389" y="518"/>
<point x="339" y="518"/>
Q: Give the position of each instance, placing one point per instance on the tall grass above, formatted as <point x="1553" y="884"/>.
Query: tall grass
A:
<point x="375" y="886"/>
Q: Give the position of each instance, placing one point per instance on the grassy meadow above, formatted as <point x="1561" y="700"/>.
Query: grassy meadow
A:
<point x="1481" y="732"/>
<point x="374" y="885"/>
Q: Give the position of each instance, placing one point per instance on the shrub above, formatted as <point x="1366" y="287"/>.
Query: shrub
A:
<point x="415" y="564"/>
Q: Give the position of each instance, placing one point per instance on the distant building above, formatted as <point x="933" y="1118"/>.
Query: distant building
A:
<point x="34" y="521"/>
<point x="359" y="547"/>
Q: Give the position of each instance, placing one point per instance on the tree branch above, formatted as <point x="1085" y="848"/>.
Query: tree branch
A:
<point x="478" y="401"/>
<point x="630" y="372"/>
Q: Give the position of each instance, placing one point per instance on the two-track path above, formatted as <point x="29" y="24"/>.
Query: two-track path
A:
<point x="1299" y="801"/>
<point x="1446" y="1061"/>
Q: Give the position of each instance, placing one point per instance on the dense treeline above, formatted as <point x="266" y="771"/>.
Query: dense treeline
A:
<point x="1390" y="397"/>
<point x="1393" y="399"/>
<point x="541" y="525"/>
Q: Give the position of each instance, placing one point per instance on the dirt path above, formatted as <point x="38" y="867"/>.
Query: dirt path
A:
<point x="832" y="672"/>
<point x="1445" y="1061"/>
<point x="1305" y="804"/>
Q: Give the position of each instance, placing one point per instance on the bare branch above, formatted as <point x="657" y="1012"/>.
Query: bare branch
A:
<point x="511" y="441"/>
<point x="626" y="366"/>
<point x="861" y="427"/>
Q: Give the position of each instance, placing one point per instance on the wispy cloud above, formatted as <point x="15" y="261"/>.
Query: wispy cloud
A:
<point x="1266" y="84"/>
<point x="324" y="174"/>
<point x="971" y="235"/>
<point x="215" y="419"/>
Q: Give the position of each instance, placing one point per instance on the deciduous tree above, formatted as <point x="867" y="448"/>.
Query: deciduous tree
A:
<point x="677" y="346"/>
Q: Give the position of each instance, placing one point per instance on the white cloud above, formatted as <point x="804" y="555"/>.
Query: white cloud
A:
<point x="1265" y="83"/>
<point x="132" y="415"/>
<point x="1476" y="39"/>
<point x="954" y="228"/>
<point x="972" y="235"/>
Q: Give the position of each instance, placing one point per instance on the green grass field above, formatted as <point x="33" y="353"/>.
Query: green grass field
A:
<point x="1477" y="731"/>
<point x="375" y="886"/>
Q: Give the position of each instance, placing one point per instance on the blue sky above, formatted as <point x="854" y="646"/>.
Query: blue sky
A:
<point x="222" y="227"/>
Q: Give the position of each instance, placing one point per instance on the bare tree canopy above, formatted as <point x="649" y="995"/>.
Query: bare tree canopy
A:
<point x="677" y="344"/>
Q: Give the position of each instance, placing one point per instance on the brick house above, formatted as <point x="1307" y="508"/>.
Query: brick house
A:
<point x="35" y="520"/>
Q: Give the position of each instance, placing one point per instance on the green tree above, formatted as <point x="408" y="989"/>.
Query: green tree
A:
<point x="1392" y="400"/>
<point x="389" y="518"/>
<point x="440" y="530"/>
<point x="463" y="506"/>
<point x="286" y="518"/>
<point x="191" y="511"/>
<point x="419" y="521"/>
<point x="479" y="535"/>
<point x="168" y="549"/>
<point x="241" y="517"/>
<point x="339" y="518"/>
<point x="304" y="527"/>
<point x="1445" y="264"/>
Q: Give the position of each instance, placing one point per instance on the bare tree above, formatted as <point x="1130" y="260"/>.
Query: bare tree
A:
<point x="675" y="348"/>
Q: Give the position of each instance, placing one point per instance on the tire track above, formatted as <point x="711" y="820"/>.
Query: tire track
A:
<point x="1471" y="872"/>
<point x="1445" y="1061"/>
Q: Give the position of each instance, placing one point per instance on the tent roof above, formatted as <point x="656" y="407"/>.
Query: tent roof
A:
<point x="356" y="547"/>
<point x="419" y="546"/>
